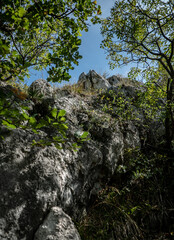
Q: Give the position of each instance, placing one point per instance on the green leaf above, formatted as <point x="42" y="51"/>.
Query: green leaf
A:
<point x="41" y="124"/>
<point x="75" y="147"/>
<point x="35" y="131"/>
<point x="56" y="124"/>
<point x="64" y="126"/>
<point x="49" y="120"/>
<point x="63" y="119"/>
<point x="58" y="139"/>
<point x="25" y="116"/>
<point x="61" y="113"/>
<point x="21" y="12"/>
<point x="54" y="113"/>
<point x="84" y="135"/>
<point x="32" y="120"/>
<point x="8" y="125"/>
<point x="58" y="146"/>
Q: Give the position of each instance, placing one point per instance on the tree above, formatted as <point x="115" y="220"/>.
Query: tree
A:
<point x="42" y="34"/>
<point x="142" y="31"/>
<point x="39" y="34"/>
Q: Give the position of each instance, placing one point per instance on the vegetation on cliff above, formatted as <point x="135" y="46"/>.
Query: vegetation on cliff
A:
<point x="137" y="202"/>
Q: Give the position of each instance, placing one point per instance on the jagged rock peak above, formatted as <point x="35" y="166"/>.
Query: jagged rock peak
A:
<point x="93" y="80"/>
<point x="41" y="187"/>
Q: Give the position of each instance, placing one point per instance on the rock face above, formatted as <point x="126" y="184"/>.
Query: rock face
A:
<point x="41" y="88"/>
<point x="114" y="80"/>
<point x="42" y="188"/>
<point x="57" y="225"/>
<point x="93" y="80"/>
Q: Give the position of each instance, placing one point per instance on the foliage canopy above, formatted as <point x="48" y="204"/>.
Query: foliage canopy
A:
<point x="42" y="34"/>
<point x="142" y="31"/>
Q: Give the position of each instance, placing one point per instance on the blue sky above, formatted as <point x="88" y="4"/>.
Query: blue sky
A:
<point x="93" y="56"/>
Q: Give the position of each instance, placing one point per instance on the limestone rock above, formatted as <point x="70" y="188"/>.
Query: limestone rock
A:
<point x="35" y="179"/>
<point x="114" y="80"/>
<point x="57" y="226"/>
<point x="93" y="80"/>
<point x="3" y="84"/>
<point x="41" y="89"/>
<point x="43" y="188"/>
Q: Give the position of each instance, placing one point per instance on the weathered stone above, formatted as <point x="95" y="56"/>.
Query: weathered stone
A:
<point x="35" y="179"/>
<point x="93" y="80"/>
<point x="57" y="226"/>
<point x="114" y="80"/>
<point x="40" y="89"/>
<point x="3" y="84"/>
<point x="38" y="185"/>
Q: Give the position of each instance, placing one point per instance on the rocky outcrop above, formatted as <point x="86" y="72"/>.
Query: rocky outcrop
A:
<point x="93" y="80"/>
<point x="114" y="80"/>
<point x="40" y="89"/>
<point x="41" y="187"/>
<point x="57" y="225"/>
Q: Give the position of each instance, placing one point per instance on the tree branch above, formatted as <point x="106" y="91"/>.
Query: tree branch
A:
<point x="162" y="32"/>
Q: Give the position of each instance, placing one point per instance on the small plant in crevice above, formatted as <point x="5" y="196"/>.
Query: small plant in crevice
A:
<point x="80" y="138"/>
<point x="55" y="126"/>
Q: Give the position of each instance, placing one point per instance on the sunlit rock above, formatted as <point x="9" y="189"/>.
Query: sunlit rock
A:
<point x="57" y="226"/>
<point x="40" y="89"/>
<point x="42" y="187"/>
<point x="93" y="80"/>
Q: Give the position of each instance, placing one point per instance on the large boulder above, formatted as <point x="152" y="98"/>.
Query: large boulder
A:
<point x="40" y="89"/>
<point x="93" y="80"/>
<point x="58" y="225"/>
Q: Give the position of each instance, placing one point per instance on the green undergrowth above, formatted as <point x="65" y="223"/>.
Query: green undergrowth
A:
<point x="138" y="202"/>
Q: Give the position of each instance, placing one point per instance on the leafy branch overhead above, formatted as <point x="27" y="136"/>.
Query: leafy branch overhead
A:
<point x="42" y="34"/>
<point x="143" y="32"/>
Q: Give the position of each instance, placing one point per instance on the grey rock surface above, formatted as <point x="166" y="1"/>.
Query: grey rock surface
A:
<point x="43" y="188"/>
<point x="93" y="80"/>
<point x="114" y="80"/>
<point x="2" y="84"/>
<point x="57" y="226"/>
<point x="41" y="89"/>
<point x="35" y="179"/>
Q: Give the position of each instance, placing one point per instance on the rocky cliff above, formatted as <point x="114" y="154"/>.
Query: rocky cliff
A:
<point x="44" y="189"/>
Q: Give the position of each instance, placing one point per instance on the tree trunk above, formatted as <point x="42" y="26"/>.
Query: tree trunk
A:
<point x="169" y="120"/>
